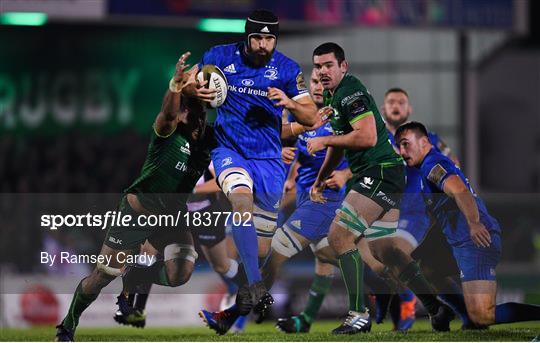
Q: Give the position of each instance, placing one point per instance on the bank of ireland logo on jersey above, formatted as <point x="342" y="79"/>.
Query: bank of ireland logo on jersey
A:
<point x="248" y="82"/>
<point x="226" y="161"/>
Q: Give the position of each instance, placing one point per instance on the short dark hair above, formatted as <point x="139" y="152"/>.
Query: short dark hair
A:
<point x="396" y="90"/>
<point x="414" y="126"/>
<point x="330" y="47"/>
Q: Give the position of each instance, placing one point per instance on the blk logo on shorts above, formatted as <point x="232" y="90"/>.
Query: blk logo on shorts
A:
<point x="115" y="240"/>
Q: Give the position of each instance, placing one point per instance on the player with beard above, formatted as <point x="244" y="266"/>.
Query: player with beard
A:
<point x="262" y="82"/>
<point x="309" y="223"/>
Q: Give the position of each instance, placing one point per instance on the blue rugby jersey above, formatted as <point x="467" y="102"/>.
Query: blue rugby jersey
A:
<point x="435" y="169"/>
<point x="248" y="122"/>
<point x="310" y="165"/>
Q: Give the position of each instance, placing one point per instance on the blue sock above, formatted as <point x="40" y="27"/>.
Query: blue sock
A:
<point x="516" y="312"/>
<point x="232" y="288"/>
<point x="406" y="295"/>
<point x="229" y="276"/>
<point x="245" y="238"/>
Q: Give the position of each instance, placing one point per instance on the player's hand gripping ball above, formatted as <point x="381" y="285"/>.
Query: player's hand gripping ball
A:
<point x="216" y="81"/>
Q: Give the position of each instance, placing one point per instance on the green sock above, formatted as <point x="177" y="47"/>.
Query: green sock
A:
<point x="163" y="279"/>
<point x="415" y="280"/>
<point x="320" y="286"/>
<point x="79" y="303"/>
<point x="352" y="270"/>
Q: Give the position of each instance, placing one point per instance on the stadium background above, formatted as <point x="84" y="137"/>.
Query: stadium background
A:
<point x="78" y="95"/>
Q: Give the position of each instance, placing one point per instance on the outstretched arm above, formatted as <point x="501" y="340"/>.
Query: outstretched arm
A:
<point x="167" y="119"/>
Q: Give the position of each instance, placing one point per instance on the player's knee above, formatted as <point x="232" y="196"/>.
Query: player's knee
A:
<point x="179" y="260"/>
<point x="393" y="256"/>
<point x="324" y="257"/>
<point x="98" y="279"/>
<point x="285" y="243"/>
<point x="338" y="238"/>
<point x="482" y="316"/>
<point x="242" y="204"/>
<point x="264" y="245"/>
<point x="220" y="268"/>
<point x="237" y="184"/>
<point x="181" y="276"/>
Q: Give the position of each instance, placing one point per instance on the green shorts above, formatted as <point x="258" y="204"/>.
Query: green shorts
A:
<point x="383" y="184"/>
<point x="127" y="237"/>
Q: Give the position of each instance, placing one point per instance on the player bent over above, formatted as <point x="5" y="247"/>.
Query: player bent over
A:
<point x="261" y="83"/>
<point x="370" y="210"/>
<point x="177" y="156"/>
<point x="475" y="236"/>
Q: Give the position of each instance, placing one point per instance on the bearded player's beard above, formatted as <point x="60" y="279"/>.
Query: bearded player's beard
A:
<point x="259" y="60"/>
<point x="395" y="123"/>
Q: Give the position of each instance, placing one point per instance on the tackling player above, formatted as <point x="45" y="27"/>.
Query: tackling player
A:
<point x="261" y="83"/>
<point x="474" y="235"/>
<point x="414" y="222"/>
<point x="177" y="156"/>
<point x="206" y="198"/>
<point x="371" y="208"/>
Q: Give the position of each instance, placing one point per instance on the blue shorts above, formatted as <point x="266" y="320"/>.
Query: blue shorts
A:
<point x="312" y="219"/>
<point x="268" y="176"/>
<point x="413" y="219"/>
<point x="476" y="263"/>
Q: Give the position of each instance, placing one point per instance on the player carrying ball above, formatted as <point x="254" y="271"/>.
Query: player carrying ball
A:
<point x="262" y="82"/>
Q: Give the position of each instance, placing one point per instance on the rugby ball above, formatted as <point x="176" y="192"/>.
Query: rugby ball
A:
<point x="216" y="80"/>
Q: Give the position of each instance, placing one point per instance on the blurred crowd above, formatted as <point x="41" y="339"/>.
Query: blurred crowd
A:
<point x="75" y="162"/>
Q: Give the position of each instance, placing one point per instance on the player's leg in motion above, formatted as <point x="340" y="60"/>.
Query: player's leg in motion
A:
<point x="355" y="216"/>
<point x="228" y="269"/>
<point x="439" y="266"/>
<point x="409" y="274"/>
<point x="238" y="186"/>
<point x="132" y="301"/>
<point x="88" y="290"/>
<point x="322" y="282"/>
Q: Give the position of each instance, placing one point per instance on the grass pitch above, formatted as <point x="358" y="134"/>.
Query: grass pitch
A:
<point x="266" y="332"/>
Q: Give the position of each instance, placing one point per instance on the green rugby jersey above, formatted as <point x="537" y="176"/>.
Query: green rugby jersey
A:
<point x="170" y="171"/>
<point x="352" y="102"/>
